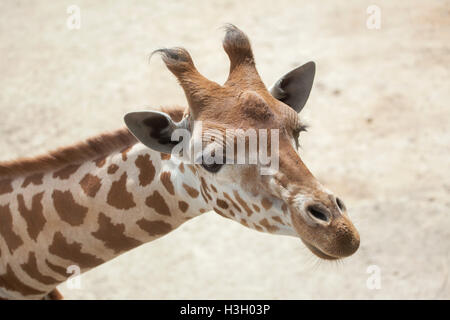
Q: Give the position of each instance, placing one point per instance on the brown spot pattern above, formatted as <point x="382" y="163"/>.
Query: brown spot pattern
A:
<point x="66" y="172"/>
<point x="165" y="156"/>
<point x="34" y="217"/>
<point x="213" y="188"/>
<point x="167" y="183"/>
<point x="11" y="282"/>
<point x="157" y="202"/>
<point x="221" y="213"/>
<point x="242" y="203"/>
<point x="125" y="152"/>
<point x="118" y="195"/>
<point x="205" y="188"/>
<point x="232" y="202"/>
<point x="222" y="204"/>
<point x="113" y="235"/>
<point x="112" y="168"/>
<point x="72" y="251"/>
<point x="31" y="268"/>
<point x="12" y="239"/>
<point x="154" y="228"/>
<point x="244" y="222"/>
<point x="59" y="270"/>
<point x="100" y="162"/>
<point x="277" y="219"/>
<point x="268" y="226"/>
<point x="257" y="209"/>
<point x="146" y="169"/>
<point x="90" y="184"/>
<point x="203" y="195"/>
<point x="204" y="184"/>
<point x="181" y="167"/>
<point x="193" y="193"/>
<point x="192" y="168"/>
<point x="266" y="203"/>
<point x="5" y="186"/>
<point x="35" y="179"/>
<point x="183" y="206"/>
<point x="67" y="209"/>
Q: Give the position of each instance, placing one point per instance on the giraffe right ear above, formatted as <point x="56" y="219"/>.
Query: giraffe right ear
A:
<point x="294" y="87"/>
<point x="154" y="129"/>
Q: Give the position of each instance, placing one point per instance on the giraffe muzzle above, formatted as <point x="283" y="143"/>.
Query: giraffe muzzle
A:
<point x="326" y="229"/>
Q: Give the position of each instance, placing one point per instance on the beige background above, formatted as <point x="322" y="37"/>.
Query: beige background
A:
<point x="379" y="136"/>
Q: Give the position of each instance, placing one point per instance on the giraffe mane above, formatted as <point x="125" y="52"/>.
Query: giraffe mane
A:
<point x="91" y="149"/>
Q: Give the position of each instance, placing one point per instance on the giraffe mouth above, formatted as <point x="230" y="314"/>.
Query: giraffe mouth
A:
<point x="319" y="253"/>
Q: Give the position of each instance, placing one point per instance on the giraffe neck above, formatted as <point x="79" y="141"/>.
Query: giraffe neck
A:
<point x="83" y="215"/>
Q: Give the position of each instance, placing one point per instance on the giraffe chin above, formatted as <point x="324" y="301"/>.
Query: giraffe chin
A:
<point x="319" y="253"/>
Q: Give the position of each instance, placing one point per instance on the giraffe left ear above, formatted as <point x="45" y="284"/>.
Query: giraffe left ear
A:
<point x="154" y="129"/>
<point x="294" y="87"/>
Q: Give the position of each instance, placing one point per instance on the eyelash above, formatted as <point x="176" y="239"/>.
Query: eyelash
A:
<point x="212" y="168"/>
<point x="296" y="135"/>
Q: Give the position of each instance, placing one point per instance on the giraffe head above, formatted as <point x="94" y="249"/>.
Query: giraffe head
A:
<point x="280" y="196"/>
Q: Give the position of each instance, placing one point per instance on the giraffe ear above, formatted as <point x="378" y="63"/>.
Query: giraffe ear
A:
<point x="294" y="87"/>
<point x="154" y="129"/>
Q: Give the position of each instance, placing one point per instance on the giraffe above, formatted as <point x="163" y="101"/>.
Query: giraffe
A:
<point x="86" y="204"/>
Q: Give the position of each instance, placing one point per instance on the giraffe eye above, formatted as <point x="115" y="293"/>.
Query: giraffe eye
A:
<point x="211" y="165"/>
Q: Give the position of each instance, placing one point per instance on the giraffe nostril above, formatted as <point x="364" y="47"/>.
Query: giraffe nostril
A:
<point x="318" y="212"/>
